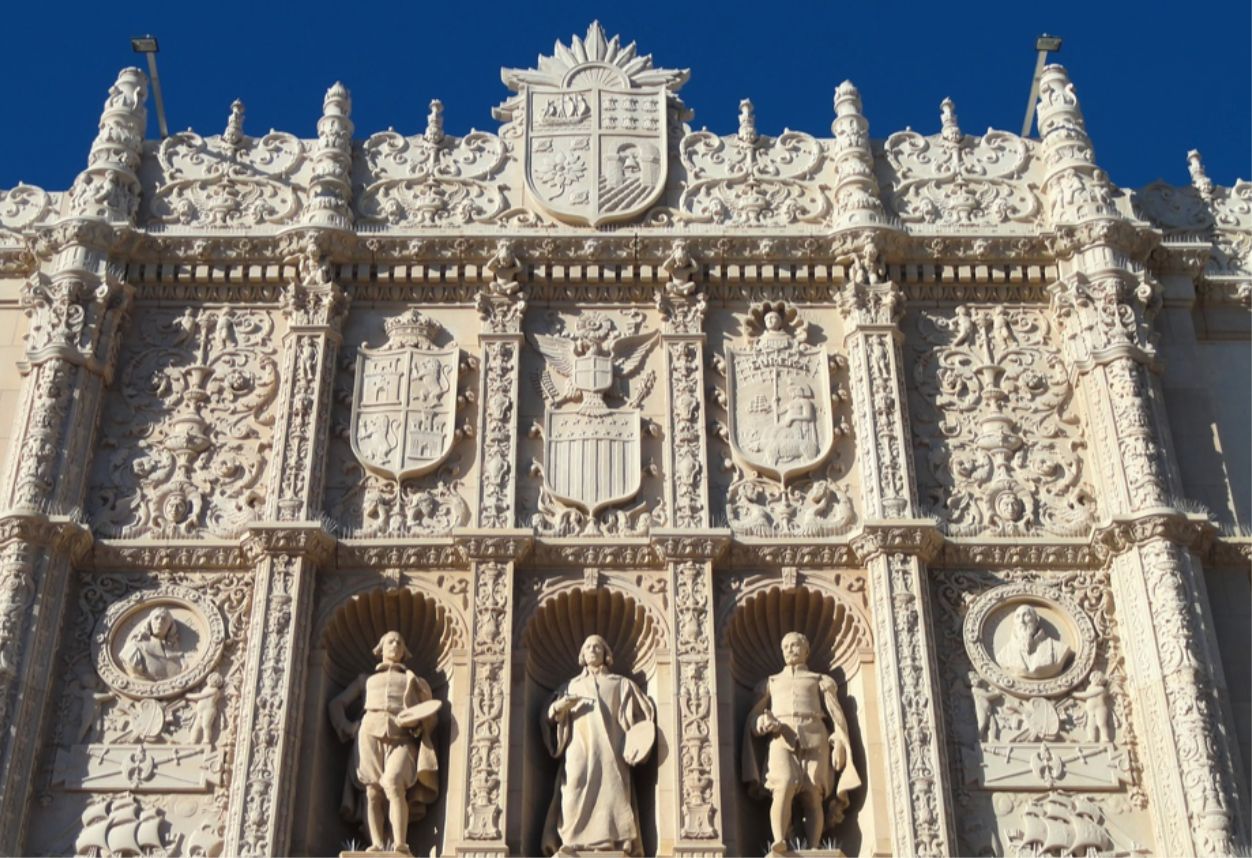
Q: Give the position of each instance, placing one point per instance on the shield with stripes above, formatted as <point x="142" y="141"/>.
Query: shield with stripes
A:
<point x="592" y="456"/>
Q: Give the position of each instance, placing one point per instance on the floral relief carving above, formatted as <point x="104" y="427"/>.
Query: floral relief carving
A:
<point x="749" y="179"/>
<point x="22" y="206"/>
<point x="229" y="180"/>
<point x="954" y="179"/>
<point x="186" y="434"/>
<point x="693" y="605"/>
<point x="489" y="701"/>
<point x="995" y="421"/>
<point x="431" y="179"/>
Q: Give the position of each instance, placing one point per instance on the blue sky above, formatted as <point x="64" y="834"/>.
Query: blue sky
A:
<point x="1155" y="78"/>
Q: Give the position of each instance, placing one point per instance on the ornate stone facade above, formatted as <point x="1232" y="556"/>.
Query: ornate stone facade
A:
<point x="595" y="411"/>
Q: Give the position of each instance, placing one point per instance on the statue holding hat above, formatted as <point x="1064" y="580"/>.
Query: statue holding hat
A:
<point x="393" y="759"/>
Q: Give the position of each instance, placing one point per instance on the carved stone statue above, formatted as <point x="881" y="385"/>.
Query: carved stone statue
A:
<point x="809" y="754"/>
<point x="153" y="650"/>
<point x="393" y="760"/>
<point x="599" y="724"/>
<point x="1030" y="652"/>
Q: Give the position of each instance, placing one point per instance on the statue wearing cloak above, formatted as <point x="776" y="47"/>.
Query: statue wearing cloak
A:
<point x="599" y="724"/>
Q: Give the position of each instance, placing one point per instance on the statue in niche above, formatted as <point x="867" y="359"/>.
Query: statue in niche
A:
<point x="393" y="759"/>
<point x="599" y="724"/>
<point x="809" y="753"/>
<point x="153" y="651"/>
<point x="1030" y="651"/>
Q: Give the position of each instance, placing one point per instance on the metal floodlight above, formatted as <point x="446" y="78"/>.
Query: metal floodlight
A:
<point x="1045" y="44"/>
<point x="147" y="45"/>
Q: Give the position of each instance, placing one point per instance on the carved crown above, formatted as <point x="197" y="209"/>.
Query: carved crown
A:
<point x="411" y="328"/>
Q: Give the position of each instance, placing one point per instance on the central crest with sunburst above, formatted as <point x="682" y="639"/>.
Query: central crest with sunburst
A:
<point x="595" y="117"/>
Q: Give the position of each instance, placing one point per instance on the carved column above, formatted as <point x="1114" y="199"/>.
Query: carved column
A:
<point x="493" y="556"/>
<point x="682" y="304"/>
<point x="1103" y="307"/>
<point x="259" y="808"/>
<point x="288" y="546"/>
<point x="76" y="309"/>
<point x="699" y="772"/>
<point x="501" y="306"/>
<point x="909" y="695"/>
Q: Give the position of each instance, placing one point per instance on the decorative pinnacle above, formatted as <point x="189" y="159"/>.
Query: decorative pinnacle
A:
<point x="747" y="121"/>
<point x="847" y="99"/>
<point x="233" y="135"/>
<point x="411" y="328"/>
<point x="338" y="101"/>
<point x="1199" y="179"/>
<point x="434" y="121"/>
<point x="947" y="115"/>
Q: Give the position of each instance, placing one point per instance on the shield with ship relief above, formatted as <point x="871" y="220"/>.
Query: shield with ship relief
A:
<point x="595" y="153"/>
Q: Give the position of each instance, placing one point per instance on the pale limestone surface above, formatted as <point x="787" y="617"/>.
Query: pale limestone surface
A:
<point x="968" y="417"/>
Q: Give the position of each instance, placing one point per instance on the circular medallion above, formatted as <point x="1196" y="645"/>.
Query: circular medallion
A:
<point x="158" y="643"/>
<point x="1029" y="640"/>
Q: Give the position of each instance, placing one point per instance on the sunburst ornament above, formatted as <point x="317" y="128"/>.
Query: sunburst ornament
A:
<point x="595" y="120"/>
<point x="594" y="59"/>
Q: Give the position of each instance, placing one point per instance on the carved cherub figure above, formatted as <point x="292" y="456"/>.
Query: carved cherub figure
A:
<point x="206" y="700"/>
<point x="1097" y="704"/>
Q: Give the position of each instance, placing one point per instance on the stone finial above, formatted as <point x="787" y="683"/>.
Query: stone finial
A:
<point x="1058" y="103"/>
<point x="108" y="187"/>
<point x="856" y="190"/>
<point x="434" y="122"/>
<point x="747" y="121"/>
<point x="233" y="136"/>
<point x="847" y="102"/>
<point x="951" y="129"/>
<point x="337" y="102"/>
<point x="1199" y="179"/>
<point x="330" y="189"/>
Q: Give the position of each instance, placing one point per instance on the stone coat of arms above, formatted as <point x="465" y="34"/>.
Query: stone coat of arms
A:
<point x="404" y="401"/>
<point x="779" y="412"/>
<point x="596" y="127"/>
<point x="592" y="452"/>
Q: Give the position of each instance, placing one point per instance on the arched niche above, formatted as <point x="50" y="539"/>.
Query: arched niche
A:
<point x="342" y="648"/>
<point x="751" y="628"/>
<point x="554" y="635"/>
<point x="838" y="634"/>
<point x="428" y="627"/>
<point x="546" y="655"/>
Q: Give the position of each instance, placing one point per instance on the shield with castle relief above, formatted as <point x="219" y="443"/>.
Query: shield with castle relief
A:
<point x="404" y="401"/>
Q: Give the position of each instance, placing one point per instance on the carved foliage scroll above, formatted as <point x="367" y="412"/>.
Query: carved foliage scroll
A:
<point x="186" y="435"/>
<point x="431" y="179"/>
<point x="489" y="701"/>
<point x="994" y="418"/>
<point x="693" y="605"/>
<point x="753" y="180"/>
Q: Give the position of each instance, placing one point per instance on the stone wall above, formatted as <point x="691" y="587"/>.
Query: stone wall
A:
<point x="966" y="416"/>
